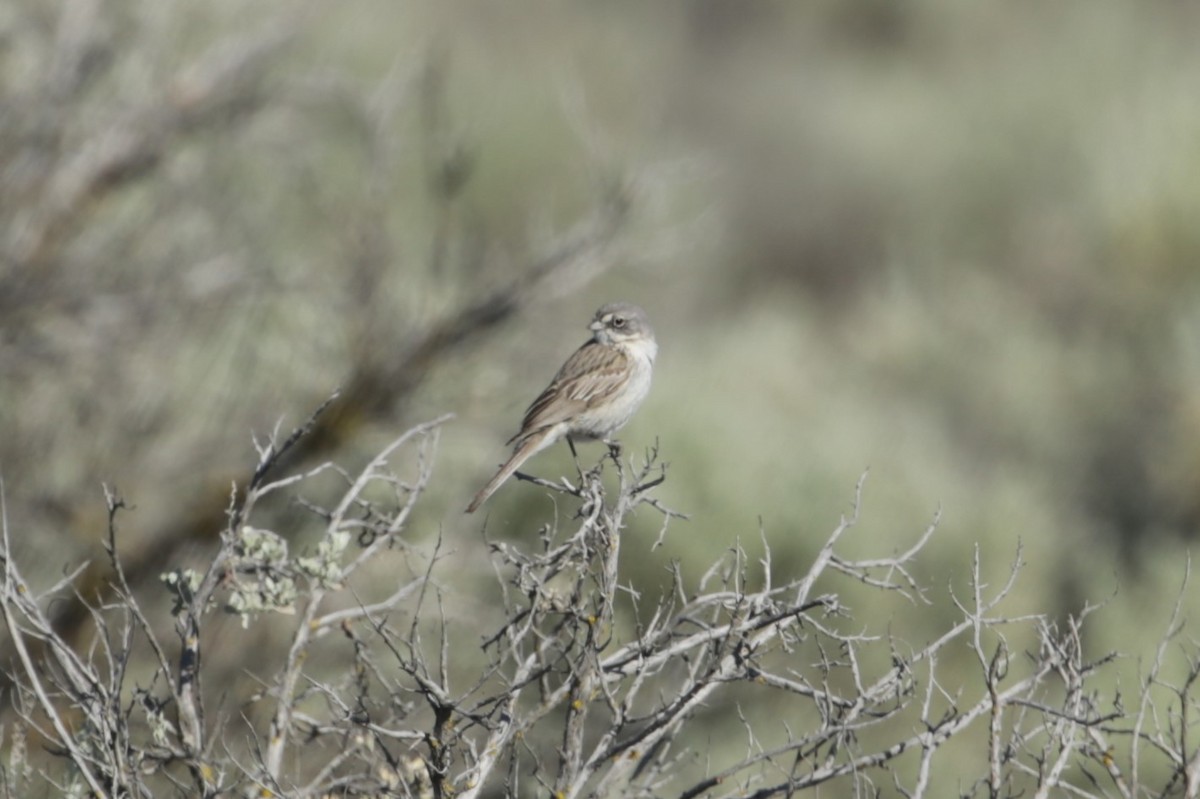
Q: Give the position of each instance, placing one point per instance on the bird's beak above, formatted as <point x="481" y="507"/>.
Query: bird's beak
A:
<point x="596" y="325"/>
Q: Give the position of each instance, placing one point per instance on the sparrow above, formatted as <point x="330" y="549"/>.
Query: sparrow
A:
<point x="593" y="395"/>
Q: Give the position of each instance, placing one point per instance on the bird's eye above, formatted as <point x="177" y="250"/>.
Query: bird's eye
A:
<point x="618" y="321"/>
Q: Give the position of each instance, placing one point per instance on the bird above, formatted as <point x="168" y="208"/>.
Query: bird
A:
<point x="593" y="395"/>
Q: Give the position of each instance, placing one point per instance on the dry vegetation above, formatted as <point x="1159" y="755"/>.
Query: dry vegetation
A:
<point x="551" y="692"/>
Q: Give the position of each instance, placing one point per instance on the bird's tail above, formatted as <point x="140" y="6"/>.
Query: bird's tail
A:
<point x="521" y="454"/>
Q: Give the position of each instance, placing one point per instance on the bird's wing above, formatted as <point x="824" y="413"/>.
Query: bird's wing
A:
<point x="593" y="374"/>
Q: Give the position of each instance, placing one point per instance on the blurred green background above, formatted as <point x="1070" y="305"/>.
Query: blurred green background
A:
<point x="954" y="243"/>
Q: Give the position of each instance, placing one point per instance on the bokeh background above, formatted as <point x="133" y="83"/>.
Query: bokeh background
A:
<point x="956" y="244"/>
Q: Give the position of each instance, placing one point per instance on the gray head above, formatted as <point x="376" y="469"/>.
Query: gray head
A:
<point x="621" y="321"/>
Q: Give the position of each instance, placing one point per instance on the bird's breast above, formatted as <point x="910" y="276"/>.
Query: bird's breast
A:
<point x="604" y="419"/>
